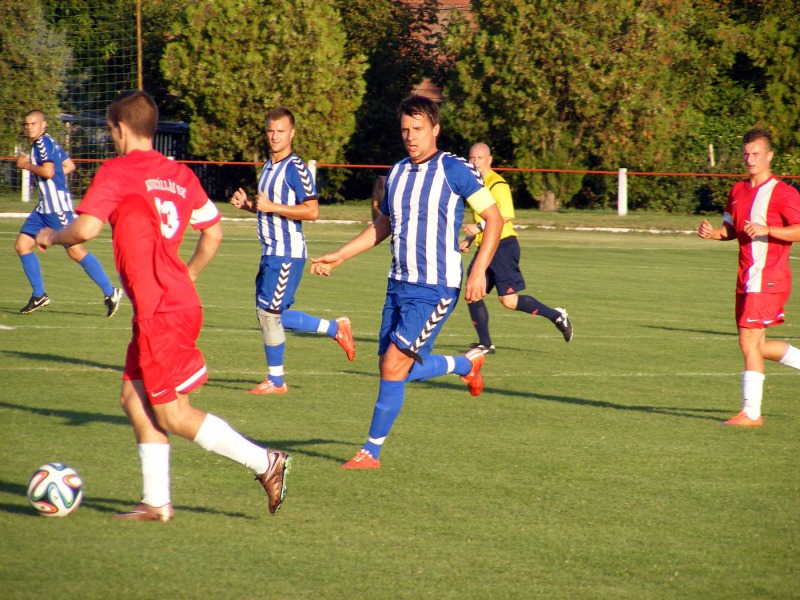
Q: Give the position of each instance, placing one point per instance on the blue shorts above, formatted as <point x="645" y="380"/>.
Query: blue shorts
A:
<point x="277" y="281"/>
<point x="413" y="316"/>
<point x="503" y="272"/>
<point x="37" y="221"/>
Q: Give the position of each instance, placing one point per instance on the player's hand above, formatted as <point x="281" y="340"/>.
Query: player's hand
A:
<point x="239" y="199"/>
<point x="755" y="230"/>
<point x="471" y="229"/>
<point x="44" y="239"/>
<point x="464" y="245"/>
<point x="323" y="265"/>
<point x="264" y="204"/>
<point x="23" y="162"/>
<point x="476" y="286"/>
<point x="705" y="229"/>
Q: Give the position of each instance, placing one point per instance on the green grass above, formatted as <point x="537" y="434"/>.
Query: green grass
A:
<point x="594" y="469"/>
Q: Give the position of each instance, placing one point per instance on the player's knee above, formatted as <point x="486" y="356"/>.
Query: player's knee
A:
<point x="509" y="301"/>
<point x="24" y="245"/>
<point x="272" y="332"/>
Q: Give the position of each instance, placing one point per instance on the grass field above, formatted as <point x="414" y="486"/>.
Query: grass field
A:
<point x="594" y="469"/>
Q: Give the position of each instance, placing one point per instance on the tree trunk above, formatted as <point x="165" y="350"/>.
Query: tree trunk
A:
<point x="549" y="201"/>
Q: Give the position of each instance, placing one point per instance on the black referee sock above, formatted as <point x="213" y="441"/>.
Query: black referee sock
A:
<point x="530" y="305"/>
<point x="480" y="319"/>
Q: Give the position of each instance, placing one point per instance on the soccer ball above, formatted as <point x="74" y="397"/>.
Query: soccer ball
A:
<point x="55" y="490"/>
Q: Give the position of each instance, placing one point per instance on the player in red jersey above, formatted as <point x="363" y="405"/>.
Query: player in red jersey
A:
<point x="149" y="202"/>
<point x="763" y="215"/>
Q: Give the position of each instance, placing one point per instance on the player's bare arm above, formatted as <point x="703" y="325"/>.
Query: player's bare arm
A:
<point x="306" y="211"/>
<point x="785" y="234"/>
<point x="82" y="229"/>
<point x="68" y="166"/>
<point x="207" y="246"/>
<point x="239" y="200"/>
<point x="723" y="233"/>
<point x="45" y="171"/>
<point x="476" y="282"/>
<point x="373" y="234"/>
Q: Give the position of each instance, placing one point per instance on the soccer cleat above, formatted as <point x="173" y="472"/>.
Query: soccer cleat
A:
<point x="485" y="349"/>
<point x="145" y="512"/>
<point x="563" y="324"/>
<point x="474" y="379"/>
<point x="112" y="302"/>
<point x="345" y="337"/>
<point x="267" y="387"/>
<point x="362" y="460"/>
<point x="35" y="303"/>
<point x="742" y="420"/>
<point x="273" y="480"/>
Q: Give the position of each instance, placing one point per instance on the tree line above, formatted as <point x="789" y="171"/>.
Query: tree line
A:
<point x="651" y="85"/>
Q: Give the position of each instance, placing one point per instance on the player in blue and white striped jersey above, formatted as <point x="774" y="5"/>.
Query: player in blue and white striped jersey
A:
<point x="286" y="197"/>
<point x="50" y="165"/>
<point x="423" y="208"/>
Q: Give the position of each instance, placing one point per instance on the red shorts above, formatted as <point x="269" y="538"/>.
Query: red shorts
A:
<point x="163" y="354"/>
<point x="756" y="311"/>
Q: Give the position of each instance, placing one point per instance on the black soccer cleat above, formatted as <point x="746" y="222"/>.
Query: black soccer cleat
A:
<point x="563" y="324"/>
<point x="35" y="303"/>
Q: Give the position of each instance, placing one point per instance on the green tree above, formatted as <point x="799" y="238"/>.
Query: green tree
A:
<point x="574" y="85"/>
<point x="399" y="41"/>
<point x="33" y="63"/>
<point x="231" y="61"/>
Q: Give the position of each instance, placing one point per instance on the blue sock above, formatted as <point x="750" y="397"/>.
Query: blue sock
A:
<point x="463" y="365"/>
<point x="95" y="270"/>
<point x="480" y="320"/>
<point x="300" y="321"/>
<point x="390" y="400"/>
<point x="434" y="366"/>
<point x="33" y="271"/>
<point x="275" y="363"/>
<point x="530" y="305"/>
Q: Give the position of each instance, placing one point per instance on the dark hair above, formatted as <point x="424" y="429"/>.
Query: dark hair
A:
<point x="137" y="110"/>
<point x="419" y="105"/>
<point x="280" y="112"/>
<point x="757" y="134"/>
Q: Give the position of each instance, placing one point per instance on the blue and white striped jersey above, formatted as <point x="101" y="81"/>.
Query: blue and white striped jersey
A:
<point x="425" y="203"/>
<point x="54" y="196"/>
<point x="286" y="182"/>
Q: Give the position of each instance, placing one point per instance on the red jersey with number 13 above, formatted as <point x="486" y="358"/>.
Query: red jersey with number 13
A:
<point x="146" y="249"/>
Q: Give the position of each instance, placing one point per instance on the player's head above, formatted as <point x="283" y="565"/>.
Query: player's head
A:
<point x="757" y="154"/>
<point x="758" y="134"/>
<point x="419" y="127"/>
<point x="420" y="106"/>
<point x="280" y="132"/>
<point x="34" y="124"/>
<point x="481" y="157"/>
<point x="137" y="111"/>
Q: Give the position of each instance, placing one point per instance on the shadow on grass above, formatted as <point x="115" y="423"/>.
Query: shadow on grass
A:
<point x="690" y="413"/>
<point x="685" y="330"/>
<point x="72" y="418"/>
<point x="70" y="360"/>
<point x="103" y="505"/>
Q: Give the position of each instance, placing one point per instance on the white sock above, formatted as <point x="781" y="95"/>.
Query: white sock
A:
<point x="752" y="393"/>
<point x="791" y="358"/>
<point x="155" y="474"/>
<point x="215" y="435"/>
<point x="323" y="326"/>
<point x="451" y="363"/>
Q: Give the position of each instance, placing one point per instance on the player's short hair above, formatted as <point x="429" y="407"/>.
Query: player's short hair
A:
<point x="757" y="134"/>
<point x="420" y="105"/>
<point x="137" y="110"/>
<point x="279" y="112"/>
<point x="36" y="111"/>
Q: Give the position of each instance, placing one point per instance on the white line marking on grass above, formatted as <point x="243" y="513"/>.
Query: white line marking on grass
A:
<point x="7" y="328"/>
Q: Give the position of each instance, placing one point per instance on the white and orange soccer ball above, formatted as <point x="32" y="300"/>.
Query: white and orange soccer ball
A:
<point x="55" y="490"/>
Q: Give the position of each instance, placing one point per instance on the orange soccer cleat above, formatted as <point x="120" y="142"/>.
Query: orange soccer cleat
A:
<point x="362" y="460"/>
<point x="345" y="337"/>
<point x="267" y="387"/>
<point x="474" y="379"/>
<point x="145" y="512"/>
<point x="742" y="420"/>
